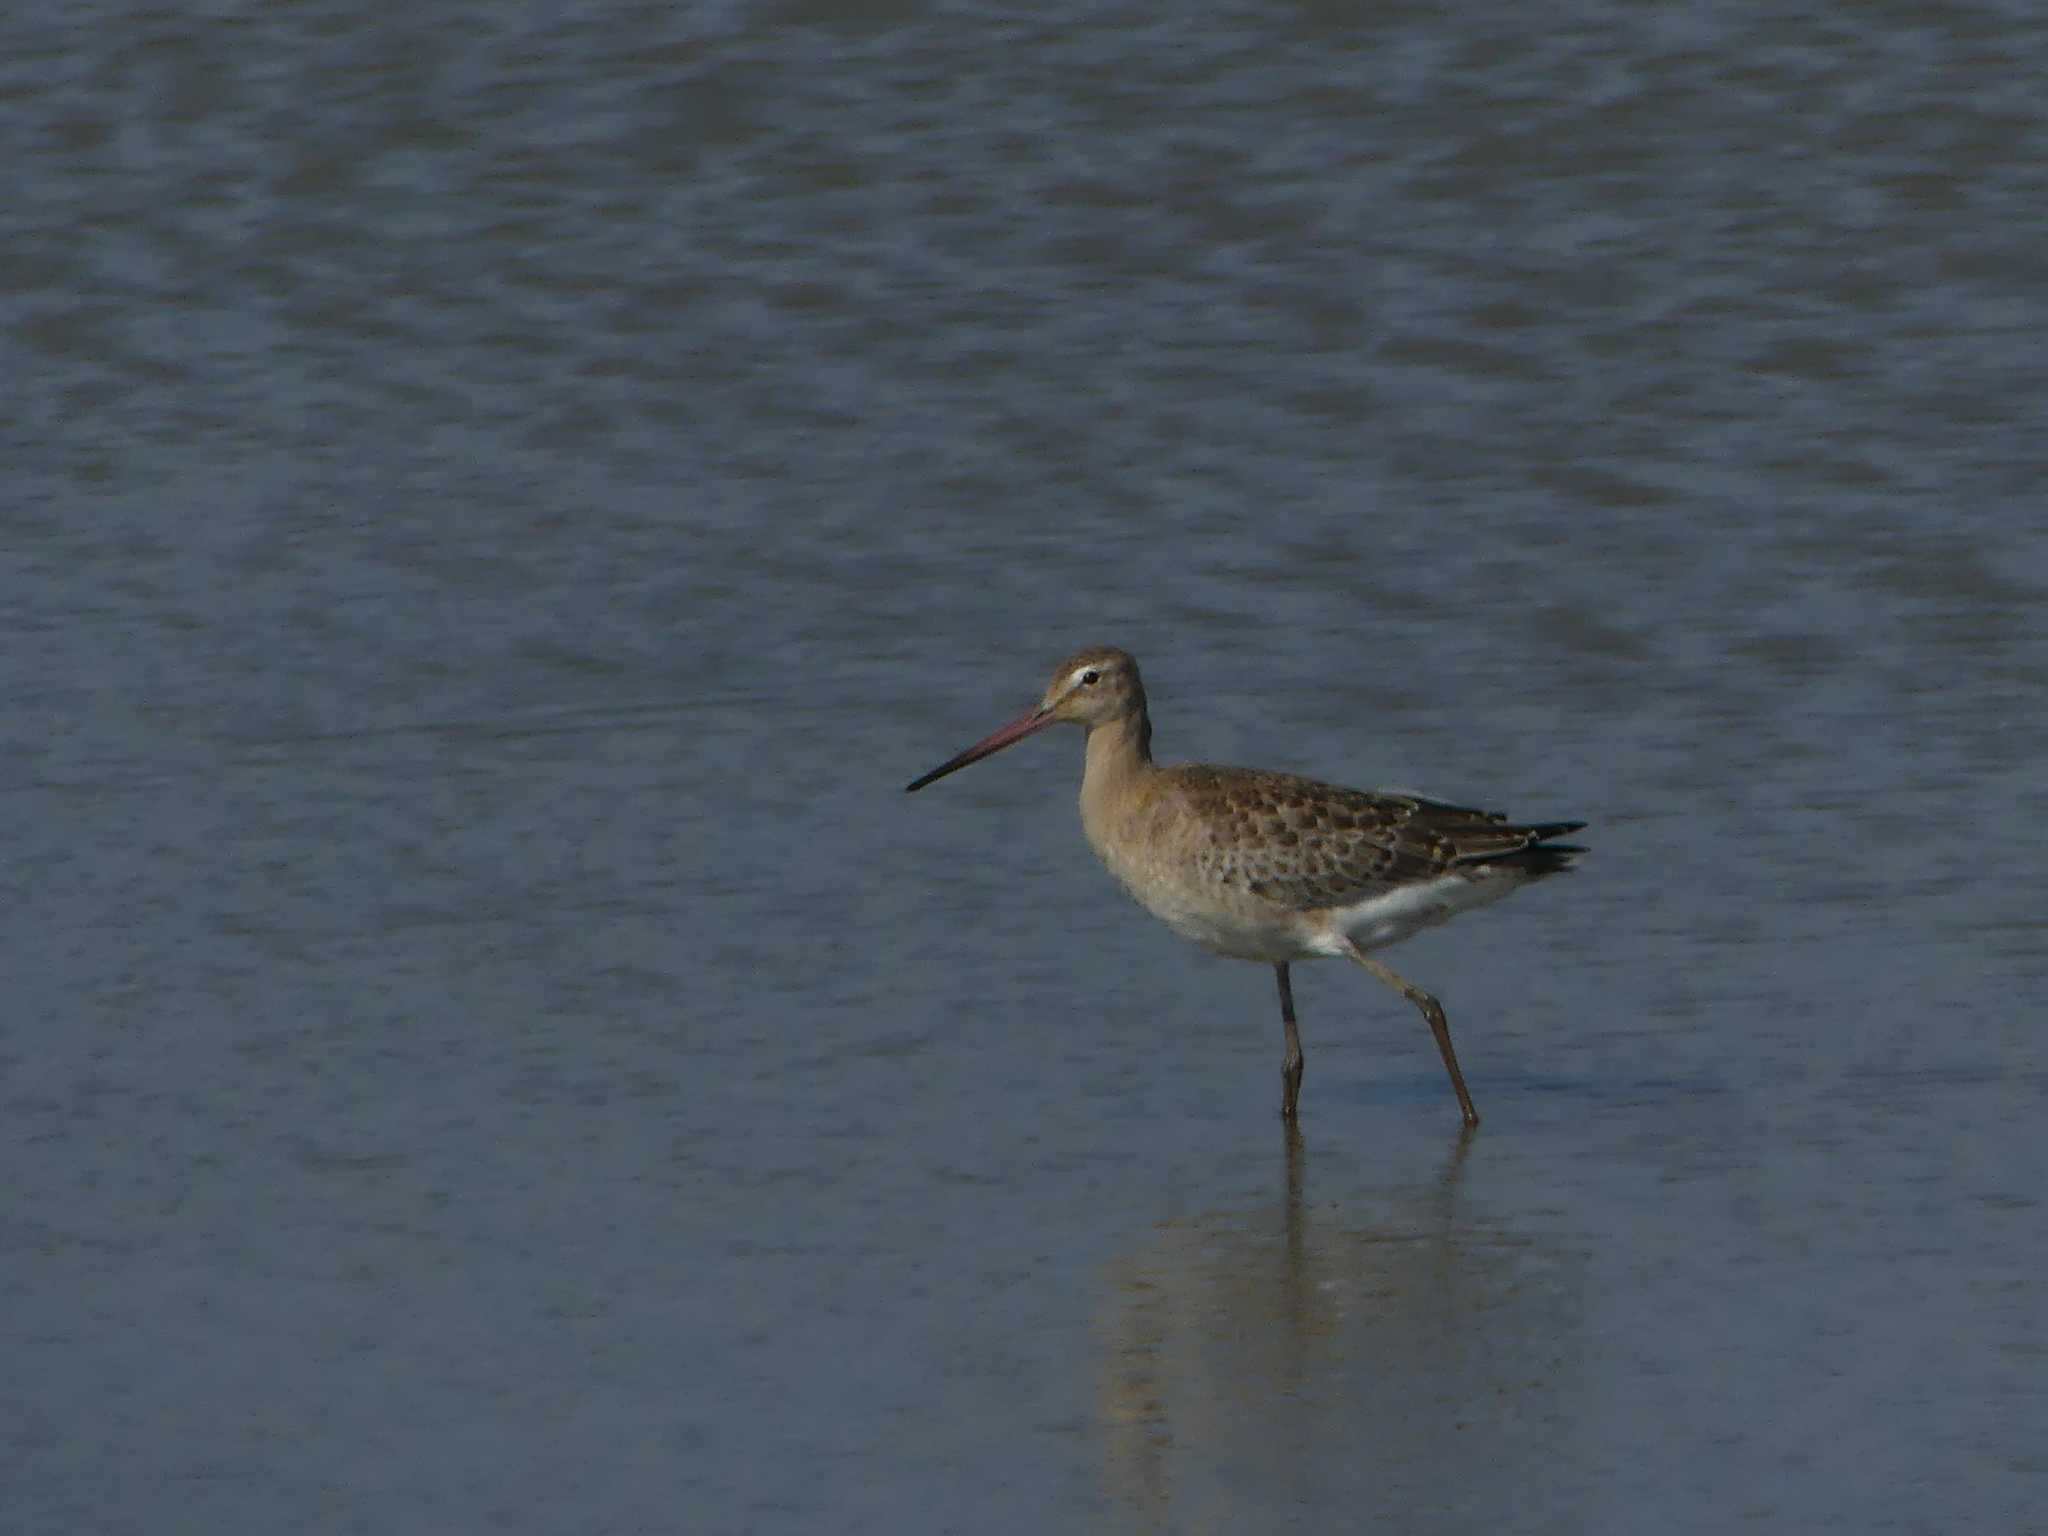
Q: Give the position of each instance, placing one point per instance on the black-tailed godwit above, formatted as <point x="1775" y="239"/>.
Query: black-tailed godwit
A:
<point x="1268" y="866"/>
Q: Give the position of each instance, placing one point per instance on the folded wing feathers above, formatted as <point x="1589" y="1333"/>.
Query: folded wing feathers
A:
<point x="1364" y="843"/>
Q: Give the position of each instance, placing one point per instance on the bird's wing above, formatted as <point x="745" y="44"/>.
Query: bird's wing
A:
<point x="1304" y="845"/>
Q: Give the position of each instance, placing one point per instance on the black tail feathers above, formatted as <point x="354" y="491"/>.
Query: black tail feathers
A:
<point x="1541" y="857"/>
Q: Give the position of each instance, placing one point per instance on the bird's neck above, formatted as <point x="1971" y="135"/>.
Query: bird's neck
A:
<point x="1119" y="757"/>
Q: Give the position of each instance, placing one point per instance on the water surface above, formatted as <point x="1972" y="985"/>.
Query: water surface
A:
<point x="495" y="505"/>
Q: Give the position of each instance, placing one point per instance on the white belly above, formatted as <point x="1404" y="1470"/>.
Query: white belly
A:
<point x="1392" y="916"/>
<point x="1248" y="930"/>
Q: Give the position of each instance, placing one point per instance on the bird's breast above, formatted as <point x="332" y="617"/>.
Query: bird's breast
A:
<point x="1176" y="873"/>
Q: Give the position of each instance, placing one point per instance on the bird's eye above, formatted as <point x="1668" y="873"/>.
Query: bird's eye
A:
<point x="1090" y="677"/>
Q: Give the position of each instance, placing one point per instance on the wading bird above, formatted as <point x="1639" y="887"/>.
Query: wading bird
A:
<point x="1268" y="866"/>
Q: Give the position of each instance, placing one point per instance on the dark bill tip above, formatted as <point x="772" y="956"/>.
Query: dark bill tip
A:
<point x="995" y="741"/>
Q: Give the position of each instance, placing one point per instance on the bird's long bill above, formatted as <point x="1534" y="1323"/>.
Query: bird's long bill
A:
<point x="994" y="741"/>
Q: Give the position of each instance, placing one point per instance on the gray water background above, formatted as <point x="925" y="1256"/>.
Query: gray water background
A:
<point x="495" y="500"/>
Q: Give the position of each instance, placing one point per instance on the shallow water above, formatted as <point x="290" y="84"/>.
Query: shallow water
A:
<point x="495" y="507"/>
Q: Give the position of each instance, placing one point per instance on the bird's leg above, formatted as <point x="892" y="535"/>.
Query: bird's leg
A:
<point x="1439" y="1026"/>
<point x="1291" y="1063"/>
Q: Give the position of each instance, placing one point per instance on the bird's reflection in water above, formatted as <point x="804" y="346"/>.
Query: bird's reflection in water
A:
<point x="1309" y="1353"/>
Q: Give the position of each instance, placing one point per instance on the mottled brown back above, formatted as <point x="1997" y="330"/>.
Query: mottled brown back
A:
<point x="1306" y="845"/>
